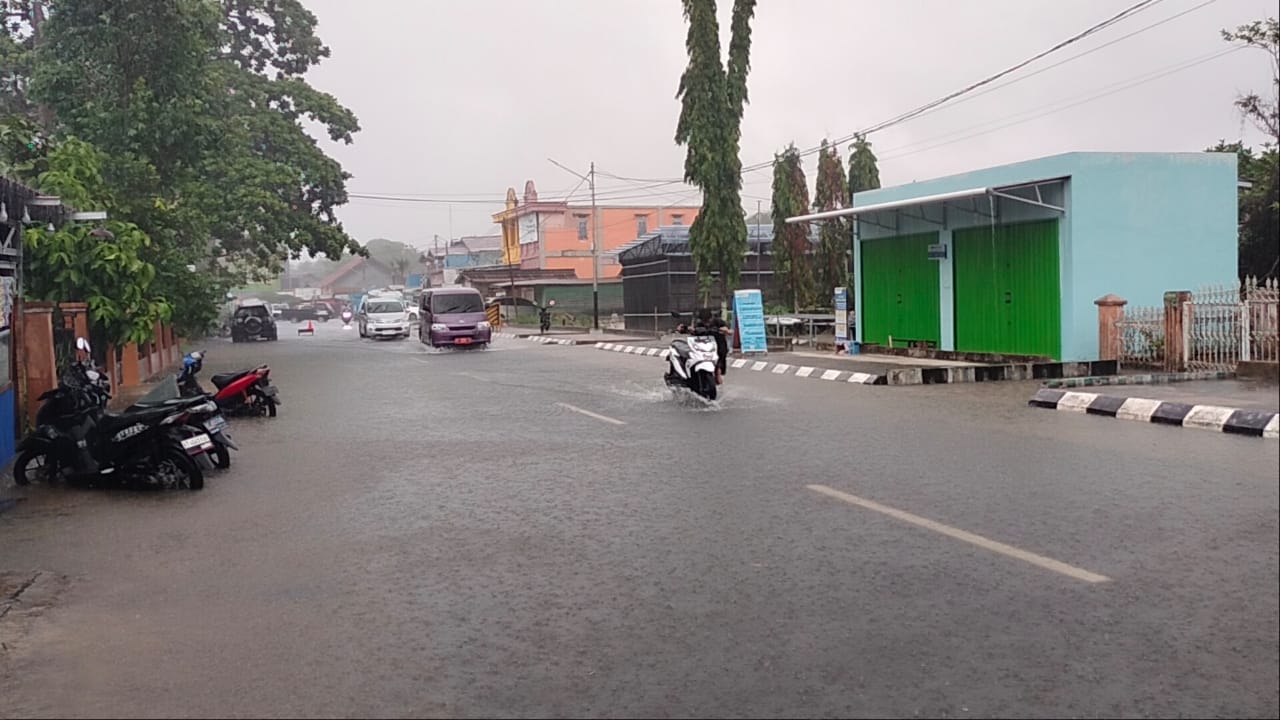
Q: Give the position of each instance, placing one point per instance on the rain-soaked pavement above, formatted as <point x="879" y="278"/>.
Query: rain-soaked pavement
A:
<point x="543" y="531"/>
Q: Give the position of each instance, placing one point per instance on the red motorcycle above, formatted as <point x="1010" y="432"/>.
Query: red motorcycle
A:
<point x="247" y="392"/>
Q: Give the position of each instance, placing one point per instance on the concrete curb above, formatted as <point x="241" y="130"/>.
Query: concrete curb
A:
<point x="1142" y="379"/>
<point x="800" y="371"/>
<point x="541" y="339"/>
<point x="1256" y="423"/>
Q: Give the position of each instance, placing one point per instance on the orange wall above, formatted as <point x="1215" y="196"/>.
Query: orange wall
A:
<point x="618" y="226"/>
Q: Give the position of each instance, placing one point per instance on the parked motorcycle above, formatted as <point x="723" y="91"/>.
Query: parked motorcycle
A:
<point x="247" y="392"/>
<point x="77" y="438"/>
<point x="691" y="361"/>
<point x="211" y="421"/>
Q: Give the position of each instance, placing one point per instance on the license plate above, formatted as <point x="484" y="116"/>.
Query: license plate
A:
<point x="216" y="423"/>
<point x="463" y="341"/>
<point x="196" y="441"/>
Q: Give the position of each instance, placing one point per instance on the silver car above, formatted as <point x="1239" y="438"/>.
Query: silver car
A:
<point x="384" y="317"/>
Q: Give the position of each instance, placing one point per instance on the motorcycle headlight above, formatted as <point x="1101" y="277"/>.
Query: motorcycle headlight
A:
<point x="483" y="325"/>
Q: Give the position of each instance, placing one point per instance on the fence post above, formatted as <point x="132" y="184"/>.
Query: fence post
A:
<point x="1110" y="312"/>
<point x="1245" y="355"/>
<point x="1177" y="311"/>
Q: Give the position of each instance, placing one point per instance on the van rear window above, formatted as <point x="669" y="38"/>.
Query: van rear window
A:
<point x="450" y="303"/>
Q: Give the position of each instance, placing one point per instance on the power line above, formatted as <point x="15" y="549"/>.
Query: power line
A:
<point x="1040" y="112"/>
<point x="916" y="112"/>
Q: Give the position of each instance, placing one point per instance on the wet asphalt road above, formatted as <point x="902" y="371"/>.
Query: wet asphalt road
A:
<point x="445" y="534"/>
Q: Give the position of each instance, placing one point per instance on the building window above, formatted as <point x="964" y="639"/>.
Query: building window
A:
<point x="582" y="227"/>
<point x="642" y="225"/>
<point x="677" y="219"/>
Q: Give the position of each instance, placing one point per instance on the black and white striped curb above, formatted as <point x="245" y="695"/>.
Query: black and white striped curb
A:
<point x="542" y="339"/>
<point x="800" y="371"/>
<point x="1204" y="417"/>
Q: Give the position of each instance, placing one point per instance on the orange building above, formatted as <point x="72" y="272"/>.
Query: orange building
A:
<point x="554" y="235"/>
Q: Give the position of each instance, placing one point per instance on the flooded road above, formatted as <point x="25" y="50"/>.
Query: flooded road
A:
<point x="545" y="531"/>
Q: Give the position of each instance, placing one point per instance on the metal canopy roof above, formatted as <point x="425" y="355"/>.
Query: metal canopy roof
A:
<point x="1001" y="192"/>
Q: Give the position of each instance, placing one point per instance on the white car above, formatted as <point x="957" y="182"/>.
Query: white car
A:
<point x="384" y="317"/>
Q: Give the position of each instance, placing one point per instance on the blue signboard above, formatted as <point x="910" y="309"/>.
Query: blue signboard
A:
<point x="842" y="315"/>
<point x="414" y="281"/>
<point x="748" y="307"/>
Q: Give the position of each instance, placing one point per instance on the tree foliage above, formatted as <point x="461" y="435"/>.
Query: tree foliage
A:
<point x="792" y="264"/>
<point x="831" y="192"/>
<point x="1260" y="202"/>
<point x="1263" y="111"/>
<point x="105" y="267"/>
<point x="198" y="107"/>
<point x="864" y="172"/>
<point x="1259" y="208"/>
<point x="713" y="94"/>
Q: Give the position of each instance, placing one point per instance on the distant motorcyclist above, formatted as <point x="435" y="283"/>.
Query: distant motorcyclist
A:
<point x="544" y="317"/>
<point x="708" y="321"/>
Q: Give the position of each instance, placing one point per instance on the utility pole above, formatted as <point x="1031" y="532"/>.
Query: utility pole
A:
<point x="595" y="239"/>
<point x="595" y="252"/>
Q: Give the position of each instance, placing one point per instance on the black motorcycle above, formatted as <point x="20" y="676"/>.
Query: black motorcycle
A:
<point x="210" y="418"/>
<point x="77" y="439"/>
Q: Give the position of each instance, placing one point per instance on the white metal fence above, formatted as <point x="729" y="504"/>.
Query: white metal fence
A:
<point x="1221" y="326"/>
<point x="1225" y="324"/>
<point x="1142" y="337"/>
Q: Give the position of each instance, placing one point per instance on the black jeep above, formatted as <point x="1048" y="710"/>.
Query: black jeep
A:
<point x="253" y="321"/>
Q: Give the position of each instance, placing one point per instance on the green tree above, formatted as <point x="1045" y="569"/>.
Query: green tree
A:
<point x="792" y="265"/>
<point x="831" y="192"/>
<point x="1264" y="112"/>
<point x="104" y="267"/>
<point x="864" y="172"/>
<point x="199" y="106"/>
<point x="1259" y="203"/>
<point x="712" y="96"/>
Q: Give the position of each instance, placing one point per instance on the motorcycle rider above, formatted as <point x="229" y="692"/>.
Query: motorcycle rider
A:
<point x="544" y="317"/>
<point x="708" y="321"/>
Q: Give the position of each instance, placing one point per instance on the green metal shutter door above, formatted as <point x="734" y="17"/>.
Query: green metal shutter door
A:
<point x="1007" y="289"/>
<point x="900" y="290"/>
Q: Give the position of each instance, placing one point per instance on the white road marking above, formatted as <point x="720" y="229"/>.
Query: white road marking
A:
<point x="759" y="365"/>
<point x="1008" y="550"/>
<point x="1272" y="430"/>
<point x="740" y="362"/>
<point x="805" y="371"/>
<point x="780" y="368"/>
<point x="588" y="413"/>
<point x="1210" y="417"/>
<point x="859" y="377"/>
<point x="652" y="352"/>
<point x="1076" y="401"/>
<point x="1137" y="409"/>
<point x="473" y="376"/>
<point x="831" y="375"/>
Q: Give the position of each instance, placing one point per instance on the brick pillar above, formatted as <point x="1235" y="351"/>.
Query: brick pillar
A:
<point x="1110" y="313"/>
<point x="37" y="360"/>
<point x="79" y="313"/>
<point x="1175" y="353"/>
<point x="113" y="369"/>
<point x="129" y="369"/>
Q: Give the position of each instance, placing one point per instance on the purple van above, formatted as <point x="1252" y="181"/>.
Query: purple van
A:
<point x="453" y="316"/>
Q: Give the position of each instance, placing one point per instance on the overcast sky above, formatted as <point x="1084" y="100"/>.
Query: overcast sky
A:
<point x="461" y="99"/>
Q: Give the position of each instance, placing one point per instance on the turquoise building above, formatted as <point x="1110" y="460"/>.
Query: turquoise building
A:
<point x="1009" y="259"/>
